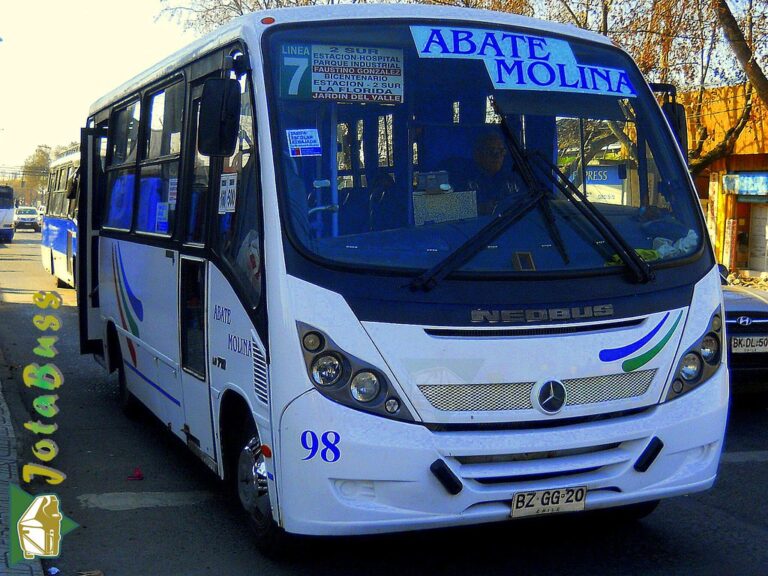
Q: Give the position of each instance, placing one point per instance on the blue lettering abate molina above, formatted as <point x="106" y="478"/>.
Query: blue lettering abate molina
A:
<point x="222" y="314"/>
<point x="240" y="345"/>
<point x="521" y="61"/>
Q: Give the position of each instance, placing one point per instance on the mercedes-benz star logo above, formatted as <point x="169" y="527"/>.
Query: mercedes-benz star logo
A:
<point x="551" y="396"/>
<point x="744" y="320"/>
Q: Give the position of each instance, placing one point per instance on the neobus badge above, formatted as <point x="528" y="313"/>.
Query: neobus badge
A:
<point x="541" y="315"/>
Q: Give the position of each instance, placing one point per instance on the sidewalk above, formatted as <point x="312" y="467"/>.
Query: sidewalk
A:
<point x="9" y="474"/>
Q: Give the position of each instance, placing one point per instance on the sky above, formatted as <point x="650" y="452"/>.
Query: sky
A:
<point x="59" y="56"/>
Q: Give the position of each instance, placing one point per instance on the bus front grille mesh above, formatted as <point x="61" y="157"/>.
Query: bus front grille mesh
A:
<point x="260" y="374"/>
<point x="517" y="395"/>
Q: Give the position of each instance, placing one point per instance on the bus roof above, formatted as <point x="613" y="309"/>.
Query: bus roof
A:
<point x="250" y="28"/>
<point x="71" y="156"/>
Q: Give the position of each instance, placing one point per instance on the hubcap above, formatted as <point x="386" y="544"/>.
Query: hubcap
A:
<point x="252" y="480"/>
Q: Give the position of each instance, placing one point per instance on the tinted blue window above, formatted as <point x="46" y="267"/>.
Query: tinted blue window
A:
<point x="157" y="198"/>
<point x="120" y="187"/>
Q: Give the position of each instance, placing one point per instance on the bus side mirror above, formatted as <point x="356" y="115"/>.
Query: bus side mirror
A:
<point x="675" y="113"/>
<point x="219" y="121"/>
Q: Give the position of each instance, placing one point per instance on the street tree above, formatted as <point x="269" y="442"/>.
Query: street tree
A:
<point x="741" y="45"/>
<point x="35" y="174"/>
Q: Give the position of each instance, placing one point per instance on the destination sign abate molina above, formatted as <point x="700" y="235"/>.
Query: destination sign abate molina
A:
<point x="342" y="73"/>
<point x="518" y="61"/>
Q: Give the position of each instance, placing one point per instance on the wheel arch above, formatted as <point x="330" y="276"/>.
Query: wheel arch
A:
<point x="234" y="414"/>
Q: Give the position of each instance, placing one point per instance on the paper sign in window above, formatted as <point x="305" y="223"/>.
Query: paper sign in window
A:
<point x="304" y="143"/>
<point x="161" y="218"/>
<point x="173" y="190"/>
<point x="342" y="73"/>
<point x="227" y="193"/>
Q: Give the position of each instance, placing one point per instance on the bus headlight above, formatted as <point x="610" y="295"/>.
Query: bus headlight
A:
<point x="312" y="341"/>
<point x="690" y="368"/>
<point x="365" y="386"/>
<point x="699" y="362"/>
<point x="710" y="348"/>
<point x="326" y="370"/>
<point x="348" y="380"/>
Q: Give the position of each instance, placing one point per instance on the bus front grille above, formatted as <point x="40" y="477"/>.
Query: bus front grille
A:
<point x="517" y="395"/>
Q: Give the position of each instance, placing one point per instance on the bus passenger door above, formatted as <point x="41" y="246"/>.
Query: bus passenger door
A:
<point x="193" y="298"/>
<point x="194" y="377"/>
<point x="93" y="145"/>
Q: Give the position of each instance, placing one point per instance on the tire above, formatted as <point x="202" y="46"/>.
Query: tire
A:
<point x="252" y="492"/>
<point x="128" y="403"/>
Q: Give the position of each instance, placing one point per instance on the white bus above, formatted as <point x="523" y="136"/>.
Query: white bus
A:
<point x="400" y="267"/>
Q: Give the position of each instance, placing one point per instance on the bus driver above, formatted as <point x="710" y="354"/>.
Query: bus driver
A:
<point x="490" y="173"/>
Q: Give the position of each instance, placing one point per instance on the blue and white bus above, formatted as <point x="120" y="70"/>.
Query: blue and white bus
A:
<point x="7" y="214"/>
<point x="398" y="267"/>
<point x="58" y="245"/>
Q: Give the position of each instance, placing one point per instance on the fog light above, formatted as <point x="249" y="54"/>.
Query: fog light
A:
<point x="710" y="347"/>
<point x="717" y="323"/>
<point x="677" y="386"/>
<point x="312" y="341"/>
<point x="392" y="405"/>
<point x="326" y="370"/>
<point x="365" y="386"/>
<point x="690" y="369"/>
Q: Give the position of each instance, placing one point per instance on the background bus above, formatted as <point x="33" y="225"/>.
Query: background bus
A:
<point x="58" y="245"/>
<point x="7" y="213"/>
<point x="398" y="267"/>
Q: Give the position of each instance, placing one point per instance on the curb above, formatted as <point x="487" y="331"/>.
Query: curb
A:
<point x="9" y="474"/>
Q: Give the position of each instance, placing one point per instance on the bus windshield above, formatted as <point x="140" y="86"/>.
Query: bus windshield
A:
<point x="398" y="143"/>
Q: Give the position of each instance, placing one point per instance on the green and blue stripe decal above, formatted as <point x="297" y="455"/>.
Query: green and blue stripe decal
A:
<point x="125" y="296"/>
<point x="613" y="354"/>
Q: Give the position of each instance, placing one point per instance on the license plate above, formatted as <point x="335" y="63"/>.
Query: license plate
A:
<point x="548" y="501"/>
<point x="747" y="344"/>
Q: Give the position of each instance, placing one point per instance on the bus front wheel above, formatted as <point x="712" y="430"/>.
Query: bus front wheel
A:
<point x="253" y="493"/>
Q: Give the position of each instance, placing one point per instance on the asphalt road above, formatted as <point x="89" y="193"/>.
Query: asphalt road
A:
<point x="177" y="521"/>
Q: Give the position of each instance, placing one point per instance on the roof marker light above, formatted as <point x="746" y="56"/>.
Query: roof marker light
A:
<point x="268" y="20"/>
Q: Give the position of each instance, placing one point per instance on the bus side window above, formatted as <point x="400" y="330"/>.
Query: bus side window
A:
<point x="237" y="237"/>
<point x="158" y="186"/>
<point x="121" y="180"/>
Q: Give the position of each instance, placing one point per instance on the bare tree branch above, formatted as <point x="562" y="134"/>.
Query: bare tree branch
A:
<point x="742" y="49"/>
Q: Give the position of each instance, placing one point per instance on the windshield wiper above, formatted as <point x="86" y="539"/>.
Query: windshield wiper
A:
<point x="474" y="244"/>
<point x="525" y="169"/>
<point x="640" y="269"/>
<point x="469" y="248"/>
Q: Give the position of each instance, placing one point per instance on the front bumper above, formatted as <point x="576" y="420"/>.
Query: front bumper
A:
<point x="381" y="481"/>
<point x="31" y="225"/>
